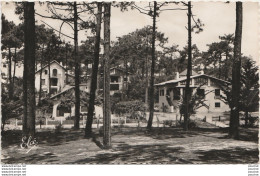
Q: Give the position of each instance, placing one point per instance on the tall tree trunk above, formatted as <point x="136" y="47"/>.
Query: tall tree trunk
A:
<point x="234" y="117"/>
<point x="126" y="84"/>
<point x="40" y="92"/>
<point x="29" y="45"/>
<point x="25" y="72"/>
<point x="77" y="69"/>
<point x="10" y="91"/>
<point x="106" y="105"/>
<point x="66" y="60"/>
<point x="88" y="129"/>
<point x="14" y="65"/>
<point x="146" y="75"/>
<point x="187" y="94"/>
<point x="219" y="66"/>
<point x="151" y="108"/>
<point x="49" y="69"/>
<point x="246" y="117"/>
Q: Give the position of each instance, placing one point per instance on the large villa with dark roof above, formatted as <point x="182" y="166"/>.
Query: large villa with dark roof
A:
<point x="206" y="88"/>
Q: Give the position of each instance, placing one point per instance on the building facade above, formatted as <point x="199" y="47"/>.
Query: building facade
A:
<point x="119" y="80"/>
<point x="206" y="89"/>
<point x="57" y="79"/>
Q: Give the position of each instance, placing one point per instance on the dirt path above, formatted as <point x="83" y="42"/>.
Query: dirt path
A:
<point x="135" y="146"/>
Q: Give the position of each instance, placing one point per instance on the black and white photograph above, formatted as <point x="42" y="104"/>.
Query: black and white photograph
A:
<point x="129" y="83"/>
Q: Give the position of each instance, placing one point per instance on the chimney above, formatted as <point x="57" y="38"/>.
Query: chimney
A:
<point x="61" y="63"/>
<point x="201" y="72"/>
<point x="177" y="75"/>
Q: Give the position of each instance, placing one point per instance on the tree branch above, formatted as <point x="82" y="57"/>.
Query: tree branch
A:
<point x="55" y="18"/>
<point x="57" y="30"/>
<point x="173" y="9"/>
<point x="140" y="11"/>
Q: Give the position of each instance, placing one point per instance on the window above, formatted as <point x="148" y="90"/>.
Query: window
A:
<point x="201" y="81"/>
<point x="63" y="109"/>
<point x="201" y="93"/>
<point x="46" y="72"/>
<point x="125" y="79"/>
<point x="184" y="82"/>
<point x="4" y="66"/>
<point x="217" y="93"/>
<point x="176" y="94"/>
<point x="114" y="79"/>
<point x="217" y="105"/>
<point x="162" y="92"/>
<point x="54" y="81"/>
<point x="43" y="81"/>
<point x="54" y="91"/>
<point x="54" y="72"/>
<point x="84" y="109"/>
<point x="114" y="87"/>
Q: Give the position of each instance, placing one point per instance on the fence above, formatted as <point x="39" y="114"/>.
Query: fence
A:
<point x="160" y="120"/>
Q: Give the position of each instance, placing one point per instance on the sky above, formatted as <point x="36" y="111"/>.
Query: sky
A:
<point x="218" y="18"/>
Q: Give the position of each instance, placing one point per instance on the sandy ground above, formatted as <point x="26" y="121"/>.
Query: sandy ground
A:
<point x="204" y="145"/>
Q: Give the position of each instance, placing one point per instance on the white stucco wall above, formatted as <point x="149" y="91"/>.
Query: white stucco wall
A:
<point x="210" y="99"/>
<point x="98" y="112"/>
<point x="60" y="75"/>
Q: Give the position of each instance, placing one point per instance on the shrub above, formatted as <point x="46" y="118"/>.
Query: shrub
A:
<point x="169" y="123"/>
<point x="252" y="120"/>
<point x="58" y="128"/>
<point x="53" y="122"/>
<point x="68" y="122"/>
<point x="191" y="124"/>
<point x="129" y="107"/>
<point x="165" y="108"/>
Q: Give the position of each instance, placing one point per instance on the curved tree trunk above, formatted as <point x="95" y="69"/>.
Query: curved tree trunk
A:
<point x="151" y="108"/>
<point x="88" y="129"/>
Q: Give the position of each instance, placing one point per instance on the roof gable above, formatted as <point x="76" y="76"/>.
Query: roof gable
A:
<point x="184" y="73"/>
<point x="52" y="62"/>
<point x="184" y="79"/>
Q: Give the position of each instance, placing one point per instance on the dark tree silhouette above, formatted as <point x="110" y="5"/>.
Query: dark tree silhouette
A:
<point x="236" y="69"/>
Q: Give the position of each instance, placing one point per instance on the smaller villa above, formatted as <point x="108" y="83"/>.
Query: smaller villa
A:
<point x="206" y="88"/>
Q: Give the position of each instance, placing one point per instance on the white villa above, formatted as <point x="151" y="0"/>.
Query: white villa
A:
<point x="206" y="87"/>
<point x="57" y="78"/>
<point x="59" y="88"/>
<point x="119" y="79"/>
